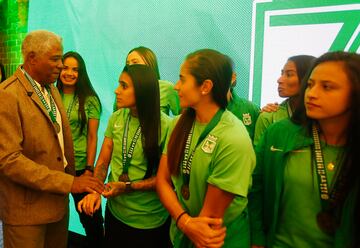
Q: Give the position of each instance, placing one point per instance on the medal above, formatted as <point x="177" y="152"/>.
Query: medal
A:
<point x="185" y="191"/>
<point x="57" y="127"/>
<point x="326" y="222"/>
<point x="330" y="166"/>
<point x="124" y="177"/>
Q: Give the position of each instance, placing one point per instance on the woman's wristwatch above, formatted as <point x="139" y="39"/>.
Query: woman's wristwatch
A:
<point x="89" y="168"/>
<point x="128" y="187"/>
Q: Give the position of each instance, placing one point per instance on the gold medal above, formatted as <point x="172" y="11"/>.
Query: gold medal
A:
<point x="331" y="166"/>
<point x="57" y="127"/>
<point x="124" y="177"/>
<point x="185" y="191"/>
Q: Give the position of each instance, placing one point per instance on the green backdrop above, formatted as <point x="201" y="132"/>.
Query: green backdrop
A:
<point x="259" y="35"/>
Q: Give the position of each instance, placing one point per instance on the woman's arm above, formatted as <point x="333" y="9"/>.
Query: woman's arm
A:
<point x="92" y="138"/>
<point x="216" y="202"/>
<point x="102" y="164"/>
<point x="166" y="191"/>
<point x="198" y="229"/>
<point x="113" y="189"/>
<point x="90" y="203"/>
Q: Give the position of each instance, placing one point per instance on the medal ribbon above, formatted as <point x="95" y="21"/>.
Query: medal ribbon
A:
<point x="187" y="160"/>
<point x="69" y="109"/>
<point x="325" y="195"/>
<point x="52" y="109"/>
<point x="326" y="218"/>
<point x="127" y="155"/>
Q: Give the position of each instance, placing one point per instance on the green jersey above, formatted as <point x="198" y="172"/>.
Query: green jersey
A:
<point x="267" y="118"/>
<point x="224" y="159"/>
<point x="92" y="111"/>
<point x="284" y="197"/>
<point x="300" y="201"/>
<point x="246" y="111"/>
<point x="169" y="99"/>
<point x="138" y="209"/>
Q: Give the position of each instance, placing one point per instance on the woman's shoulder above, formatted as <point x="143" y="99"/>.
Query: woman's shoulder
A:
<point x="166" y="86"/>
<point x="229" y="119"/>
<point x="288" y="134"/>
<point x="120" y="113"/>
<point x="285" y="125"/>
<point x="92" y="100"/>
<point x="230" y="127"/>
<point x="245" y="103"/>
<point x="166" y="83"/>
<point x="271" y="117"/>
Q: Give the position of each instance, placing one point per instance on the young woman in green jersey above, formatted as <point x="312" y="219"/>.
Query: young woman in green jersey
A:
<point x="306" y="186"/>
<point x="169" y="100"/>
<point x="289" y="84"/>
<point x="83" y="109"/>
<point x="132" y="146"/>
<point x="209" y="159"/>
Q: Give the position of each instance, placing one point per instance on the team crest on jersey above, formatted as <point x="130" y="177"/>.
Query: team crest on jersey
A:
<point x="247" y="119"/>
<point x="209" y="144"/>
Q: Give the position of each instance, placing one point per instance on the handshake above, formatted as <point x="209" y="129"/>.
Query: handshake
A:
<point x="92" y="201"/>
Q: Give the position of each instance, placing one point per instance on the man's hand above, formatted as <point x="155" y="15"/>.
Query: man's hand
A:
<point x="88" y="173"/>
<point x="86" y="183"/>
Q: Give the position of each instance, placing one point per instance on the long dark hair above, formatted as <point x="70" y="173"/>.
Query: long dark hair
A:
<point x="303" y="64"/>
<point x="83" y="87"/>
<point x="146" y="86"/>
<point x="149" y="58"/>
<point x="350" y="168"/>
<point x="203" y="64"/>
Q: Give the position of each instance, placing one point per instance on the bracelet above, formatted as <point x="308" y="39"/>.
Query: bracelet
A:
<point x="178" y="218"/>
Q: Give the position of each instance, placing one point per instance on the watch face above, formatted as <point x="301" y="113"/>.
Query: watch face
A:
<point x="128" y="186"/>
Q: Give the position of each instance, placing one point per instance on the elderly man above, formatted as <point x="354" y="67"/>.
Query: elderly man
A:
<point x="36" y="151"/>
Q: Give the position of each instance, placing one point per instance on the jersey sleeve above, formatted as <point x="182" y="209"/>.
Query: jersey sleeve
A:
<point x="233" y="163"/>
<point x="93" y="108"/>
<point x="110" y="126"/>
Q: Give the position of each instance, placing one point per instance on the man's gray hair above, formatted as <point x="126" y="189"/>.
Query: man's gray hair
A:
<point x="39" y="42"/>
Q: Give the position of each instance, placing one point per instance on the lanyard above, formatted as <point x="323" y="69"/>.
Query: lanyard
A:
<point x="325" y="194"/>
<point x="127" y="155"/>
<point x="320" y="169"/>
<point x="187" y="160"/>
<point x="325" y="218"/>
<point x="69" y="109"/>
<point x="52" y="108"/>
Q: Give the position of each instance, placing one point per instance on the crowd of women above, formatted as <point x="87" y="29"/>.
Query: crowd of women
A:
<point x="194" y="165"/>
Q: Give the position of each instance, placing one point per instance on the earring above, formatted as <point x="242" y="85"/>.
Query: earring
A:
<point x="203" y="92"/>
